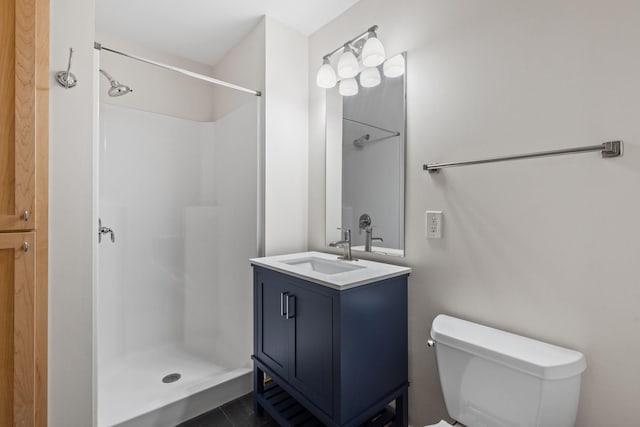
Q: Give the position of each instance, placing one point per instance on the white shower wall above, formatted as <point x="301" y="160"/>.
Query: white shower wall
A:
<point x="181" y="197"/>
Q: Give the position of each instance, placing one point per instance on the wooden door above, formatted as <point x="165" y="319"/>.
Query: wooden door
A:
<point x="17" y="114"/>
<point x="24" y="158"/>
<point x="17" y="329"/>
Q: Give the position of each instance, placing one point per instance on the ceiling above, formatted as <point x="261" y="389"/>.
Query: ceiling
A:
<point x="204" y="30"/>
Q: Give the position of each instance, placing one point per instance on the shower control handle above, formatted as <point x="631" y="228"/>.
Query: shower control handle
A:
<point x="105" y="230"/>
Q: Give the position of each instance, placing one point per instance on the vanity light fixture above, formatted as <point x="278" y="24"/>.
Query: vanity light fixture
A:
<point x="326" y="75"/>
<point x="370" y="77"/>
<point x="348" y="63"/>
<point x="367" y="48"/>
<point x="348" y="87"/>
<point x="372" y="51"/>
<point x="394" y="66"/>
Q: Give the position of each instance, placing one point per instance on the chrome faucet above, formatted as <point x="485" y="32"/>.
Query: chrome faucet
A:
<point x="345" y="244"/>
<point x="369" y="239"/>
<point x="365" y="224"/>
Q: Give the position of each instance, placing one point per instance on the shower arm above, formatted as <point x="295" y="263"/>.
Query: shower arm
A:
<point x="107" y="75"/>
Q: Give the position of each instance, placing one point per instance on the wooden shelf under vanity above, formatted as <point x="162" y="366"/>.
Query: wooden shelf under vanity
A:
<point x="289" y="413"/>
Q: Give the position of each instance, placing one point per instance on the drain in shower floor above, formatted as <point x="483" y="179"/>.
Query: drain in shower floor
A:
<point x="171" y="378"/>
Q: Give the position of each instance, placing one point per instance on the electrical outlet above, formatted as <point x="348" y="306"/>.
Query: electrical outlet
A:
<point x="433" y="224"/>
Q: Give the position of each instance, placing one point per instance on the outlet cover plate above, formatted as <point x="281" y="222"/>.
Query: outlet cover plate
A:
<point x="433" y="224"/>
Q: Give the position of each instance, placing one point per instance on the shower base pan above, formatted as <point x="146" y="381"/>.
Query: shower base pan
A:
<point x="132" y="393"/>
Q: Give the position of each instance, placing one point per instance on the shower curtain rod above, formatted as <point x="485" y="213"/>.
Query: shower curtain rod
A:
<point x="198" y="76"/>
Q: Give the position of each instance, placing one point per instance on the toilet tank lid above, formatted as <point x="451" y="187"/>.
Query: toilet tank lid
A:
<point x="534" y="357"/>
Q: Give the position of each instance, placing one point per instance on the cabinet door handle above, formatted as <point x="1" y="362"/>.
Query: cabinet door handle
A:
<point x="290" y="308"/>
<point x="282" y="308"/>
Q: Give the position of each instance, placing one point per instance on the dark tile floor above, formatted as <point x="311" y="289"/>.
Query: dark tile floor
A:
<point x="237" y="413"/>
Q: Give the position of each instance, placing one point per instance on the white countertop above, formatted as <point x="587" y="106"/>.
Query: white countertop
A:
<point x="380" y="250"/>
<point x="371" y="271"/>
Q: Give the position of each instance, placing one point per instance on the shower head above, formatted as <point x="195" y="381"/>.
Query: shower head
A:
<point x="361" y="141"/>
<point x="116" y="89"/>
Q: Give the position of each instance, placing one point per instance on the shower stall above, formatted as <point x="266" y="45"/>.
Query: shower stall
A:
<point x="178" y="203"/>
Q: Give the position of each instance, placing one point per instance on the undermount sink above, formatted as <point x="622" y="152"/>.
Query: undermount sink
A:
<point x="321" y="265"/>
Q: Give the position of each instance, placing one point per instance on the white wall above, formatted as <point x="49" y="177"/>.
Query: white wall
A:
<point x="546" y="248"/>
<point x="286" y="139"/>
<point x="71" y="218"/>
<point x="272" y="58"/>
<point x="242" y="65"/>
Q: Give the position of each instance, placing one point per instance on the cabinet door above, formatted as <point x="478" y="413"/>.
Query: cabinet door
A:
<point x="17" y="325"/>
<point x="311" y="364"/>
<point x="273" y="329"/>
<point x="17" y="114"/>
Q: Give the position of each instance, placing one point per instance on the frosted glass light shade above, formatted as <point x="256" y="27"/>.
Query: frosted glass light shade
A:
<point x="347" y="64"/>
<point x="394" y="66"/>
<point x="348" y="87"/>
<point x="326" y="77"/>
<point x="372" y="52"/>
<point x="370" y="77"/>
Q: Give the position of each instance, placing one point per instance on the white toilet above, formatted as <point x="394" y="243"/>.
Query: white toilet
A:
<point x="492" y="378"/>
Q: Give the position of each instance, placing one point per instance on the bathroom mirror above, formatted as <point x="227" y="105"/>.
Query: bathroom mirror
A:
<point x="365" y="165"/>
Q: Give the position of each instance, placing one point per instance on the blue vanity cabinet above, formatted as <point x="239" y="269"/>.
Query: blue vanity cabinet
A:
<point x="311" y="358"/>
<point x="294" y="334"/>
<point x="272" y="346"/>
<point x="339" y="356"/>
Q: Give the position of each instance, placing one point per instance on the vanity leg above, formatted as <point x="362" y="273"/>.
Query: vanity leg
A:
<point x="402" y="409"/>
<point x="258" y="388"/>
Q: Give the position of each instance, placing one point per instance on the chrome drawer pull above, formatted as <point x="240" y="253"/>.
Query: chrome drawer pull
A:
<point x="289" y="315"/>
<point x="282" y="312"/>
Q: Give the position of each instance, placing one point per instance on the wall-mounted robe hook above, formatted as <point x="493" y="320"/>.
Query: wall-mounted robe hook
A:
<point x="66" y="79"/>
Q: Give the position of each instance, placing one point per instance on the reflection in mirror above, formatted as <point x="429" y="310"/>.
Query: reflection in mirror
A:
<point x="366" y="166"/>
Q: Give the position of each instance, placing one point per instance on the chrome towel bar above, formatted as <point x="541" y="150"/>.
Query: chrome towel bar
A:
<point x="608" y="149"/>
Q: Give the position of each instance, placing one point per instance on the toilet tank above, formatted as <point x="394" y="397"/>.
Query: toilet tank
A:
<point x="492" y="378"/>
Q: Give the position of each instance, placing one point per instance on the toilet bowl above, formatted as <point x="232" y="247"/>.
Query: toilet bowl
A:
<point x="442" y="423"/>
<point x="493" y="378"/>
